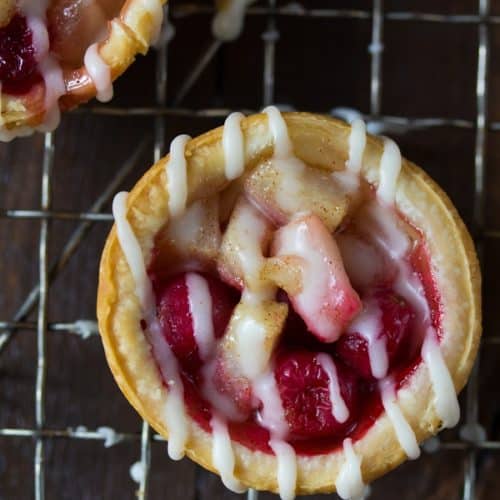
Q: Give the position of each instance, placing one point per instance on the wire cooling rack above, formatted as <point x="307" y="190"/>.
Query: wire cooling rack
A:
<point x="473" y="439"/>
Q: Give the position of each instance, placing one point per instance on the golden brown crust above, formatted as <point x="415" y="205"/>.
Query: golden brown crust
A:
<point x="128" y="34"/>
<point x="322" y="142"/>
<point x="7" y="9"/>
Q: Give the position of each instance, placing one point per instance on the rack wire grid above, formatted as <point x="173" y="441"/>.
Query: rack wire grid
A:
<point x="452" y="463"/>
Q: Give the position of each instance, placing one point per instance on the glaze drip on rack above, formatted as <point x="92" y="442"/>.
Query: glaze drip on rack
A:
<point x="227" y="23"/>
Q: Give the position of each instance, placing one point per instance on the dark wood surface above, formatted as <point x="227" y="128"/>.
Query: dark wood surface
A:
<point x="429" y="70"/>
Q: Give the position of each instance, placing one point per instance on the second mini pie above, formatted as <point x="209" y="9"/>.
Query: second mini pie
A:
<point x="56" y="54"/>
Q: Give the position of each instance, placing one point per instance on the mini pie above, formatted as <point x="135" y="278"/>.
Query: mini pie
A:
<point x="291" y="303"/>
<point x="56" y="54"/>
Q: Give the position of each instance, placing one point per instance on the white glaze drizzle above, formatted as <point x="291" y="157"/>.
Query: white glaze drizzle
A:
<point x="386" y="233"/>
<point x="223" y="403"/>
<point x="289" y="192"/>
<point x="184" y="230"/>
<point x="175" y="412"/>
<point x="133" y="253"/>
<point x="176" y="174"/>
<point x="85" y="328"/>
<point x="272" y="415"/>
<point x="447" y="406"/>
<point x="296" y="241"/>
<point x="49" y="67"/>
<point x="228" y="21"/>
<point x="402" y="428"/>
<point x="283" y="148"/>
<point x="368" y="325"/>
<point x="110" y="436"/>
<point x="346" y="114"/>
<point x="250" y="337"/>
<point x="54" y="88"/>
<point x="40" y="36"/>
<point x="339" y="409"/>
<point x="407" y="284"/>
<point x="223" y="454"/>
<point x="289" y="189"/>
<point x="357" y="144"/>
<point x="363" y="262"/>
<point x="99" y="72"/>
<point x="234" y="146"/>
<point x="200" y="307"/>
<point x="348" y="179"/>
<point x="349" y="483"/>
<point x="155" y="9"/>
<point x="248" y="229"/>
<point x="287" y="468"/>
<point x="396" y="244"/>
<point x="137" y="472"/>
<point x="390" y="166"/>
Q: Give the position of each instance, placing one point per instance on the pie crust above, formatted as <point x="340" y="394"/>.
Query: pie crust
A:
<point x="128" y="34"/>
<point x="322" y="142"/>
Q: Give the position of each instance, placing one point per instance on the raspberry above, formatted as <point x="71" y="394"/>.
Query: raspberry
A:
<point x="176" y="320"/>
<point x="396" y="319"/>
<point x="304" y="390"/>
<point x="18" y="66"/>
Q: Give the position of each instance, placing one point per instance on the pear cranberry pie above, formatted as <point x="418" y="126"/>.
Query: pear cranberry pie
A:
<point x="55" y="54"/>
<point x="291" y="303"/>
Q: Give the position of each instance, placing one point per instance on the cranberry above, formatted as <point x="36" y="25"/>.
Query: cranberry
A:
<point x="176" y="321"/>
<point x="18" y="66"/>
<point x="304" y="390"/>
<point x="395" y="327"/>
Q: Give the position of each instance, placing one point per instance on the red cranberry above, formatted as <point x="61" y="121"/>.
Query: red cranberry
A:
<point x="18" y="66"/>
<point x="176" y="321"/>
<point x="304" y="389"/>
<point x="395" y="327"/>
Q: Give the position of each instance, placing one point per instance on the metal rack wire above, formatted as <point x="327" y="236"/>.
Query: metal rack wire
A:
<point x="38" y="297"/>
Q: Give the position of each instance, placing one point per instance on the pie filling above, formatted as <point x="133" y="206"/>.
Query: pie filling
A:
<point x="386" y="325"/>
<point x="285" y="312"/>
<point x="18" y="65"/>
